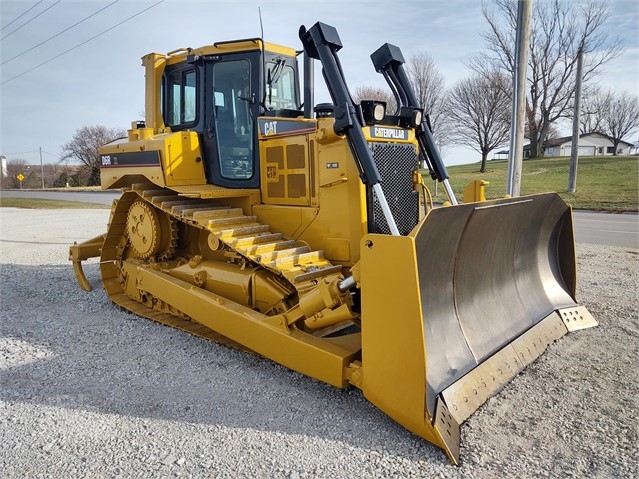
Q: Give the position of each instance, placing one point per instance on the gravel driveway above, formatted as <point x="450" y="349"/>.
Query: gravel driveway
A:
<point x="87" y="390"/>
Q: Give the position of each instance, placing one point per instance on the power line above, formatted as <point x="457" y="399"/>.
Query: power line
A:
<point x="58" y="34"/>
<point x="21" y="15"/>
<point x="80" y="44"/>
<point x="20" y="153"/>
<point x="31" y="19"/>
<point x="52" y="154"/>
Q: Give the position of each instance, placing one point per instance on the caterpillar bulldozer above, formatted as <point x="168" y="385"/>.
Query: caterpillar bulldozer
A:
<point x="305" y="235"/>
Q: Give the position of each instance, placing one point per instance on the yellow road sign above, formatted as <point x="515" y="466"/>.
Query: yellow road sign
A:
<point x="20" y="177"/>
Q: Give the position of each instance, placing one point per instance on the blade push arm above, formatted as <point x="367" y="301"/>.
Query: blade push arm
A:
<point x="322" y="42"/>
<point x="388" y="61"/>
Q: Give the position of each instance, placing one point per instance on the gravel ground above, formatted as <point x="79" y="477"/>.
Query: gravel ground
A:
<point x="87" y="390"/>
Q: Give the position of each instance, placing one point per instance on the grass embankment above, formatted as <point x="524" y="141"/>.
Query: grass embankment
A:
<point x="603" y="183"/>
<point x="33" y="203"/>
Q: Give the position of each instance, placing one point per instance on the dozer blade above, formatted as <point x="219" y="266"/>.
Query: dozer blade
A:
<point x="456" y="309"/>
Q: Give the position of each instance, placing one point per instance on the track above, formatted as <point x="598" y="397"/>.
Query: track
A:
<point x="237" y="232"/>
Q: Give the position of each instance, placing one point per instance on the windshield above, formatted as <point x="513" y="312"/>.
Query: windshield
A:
<point x="280" y="87"/>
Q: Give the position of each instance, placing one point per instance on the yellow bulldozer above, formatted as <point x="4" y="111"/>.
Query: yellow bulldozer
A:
<point x="304" y="234"/>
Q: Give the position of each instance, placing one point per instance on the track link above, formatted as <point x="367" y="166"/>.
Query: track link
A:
<point x="112" y="248"/>
<point x="242" y="234"/>
<point x="294" y="260"/>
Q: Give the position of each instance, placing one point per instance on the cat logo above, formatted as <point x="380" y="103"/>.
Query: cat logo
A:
<point x="270" y="128"/>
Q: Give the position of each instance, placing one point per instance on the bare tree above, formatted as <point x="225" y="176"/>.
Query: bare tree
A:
<point x="553" y="132"/>
<point x="68" y="175"/>
<point x="374" y="93"/>
<point x="617" y="114"/>
<point x="85" y="145"/>
<point x="51" y="173"/>
<point x="430" y="89"/>
<point x="31" y="176"/>
<point x="480" y="109"/>
<point x="589" y="119"/>
<point x="559" y="29"/>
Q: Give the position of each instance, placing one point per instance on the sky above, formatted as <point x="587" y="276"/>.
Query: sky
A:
<point x="47" y="94"/>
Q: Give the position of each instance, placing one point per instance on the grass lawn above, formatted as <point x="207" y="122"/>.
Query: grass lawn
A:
<point x="603" y="183"/>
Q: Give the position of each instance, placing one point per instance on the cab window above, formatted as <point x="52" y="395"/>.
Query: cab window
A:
<point x="280" y="86"/>
<point x="181" y="96"/>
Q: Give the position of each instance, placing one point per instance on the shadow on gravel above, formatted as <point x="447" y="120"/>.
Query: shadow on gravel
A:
<point x="92" y="356"/>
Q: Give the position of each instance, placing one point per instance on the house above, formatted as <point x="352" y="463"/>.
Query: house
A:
<point x="500" y="155"/>
<point x="590" y="144"/>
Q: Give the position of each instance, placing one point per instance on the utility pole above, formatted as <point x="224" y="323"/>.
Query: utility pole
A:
<point x="522" y="43"/>
<point x="41" y="168"/>
<point x="574" y="149"/>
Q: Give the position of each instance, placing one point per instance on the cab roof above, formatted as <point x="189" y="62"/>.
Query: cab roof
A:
<point x="232" y="46"/>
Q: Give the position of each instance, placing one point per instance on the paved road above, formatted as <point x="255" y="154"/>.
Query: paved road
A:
<point x="101" y="197"/>
<point x="594" y="228"/>
<point x="607" y="229"/>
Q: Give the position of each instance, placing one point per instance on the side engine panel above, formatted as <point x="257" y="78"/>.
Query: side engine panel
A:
<point x="166" y="160"/>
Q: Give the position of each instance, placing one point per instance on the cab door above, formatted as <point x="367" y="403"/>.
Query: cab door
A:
<point x="231" y="107"/>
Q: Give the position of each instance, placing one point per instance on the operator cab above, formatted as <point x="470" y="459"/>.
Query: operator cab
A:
<point x="220" y="95"/>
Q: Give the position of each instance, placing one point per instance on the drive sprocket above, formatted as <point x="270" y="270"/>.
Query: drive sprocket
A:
<point x="151" y="233"/>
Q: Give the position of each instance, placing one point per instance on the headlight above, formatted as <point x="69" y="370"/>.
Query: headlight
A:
<point x="418" y="117"/>
<point x="373" y="111"/>
<point x="410" y="117"/>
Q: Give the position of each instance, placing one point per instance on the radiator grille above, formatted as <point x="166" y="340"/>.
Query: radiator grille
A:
<point x="396" y="163"/>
